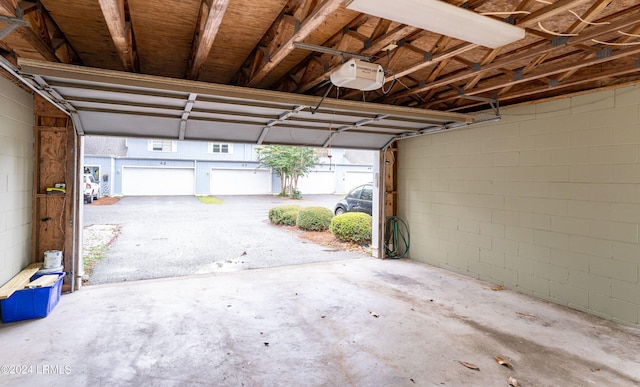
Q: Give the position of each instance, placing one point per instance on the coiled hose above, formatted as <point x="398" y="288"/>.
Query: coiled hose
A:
<point x="396" y="238"/>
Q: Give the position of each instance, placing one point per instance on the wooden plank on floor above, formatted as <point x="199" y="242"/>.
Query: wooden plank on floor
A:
<point x="45" y="280"/>
<point x="19" y="281"/>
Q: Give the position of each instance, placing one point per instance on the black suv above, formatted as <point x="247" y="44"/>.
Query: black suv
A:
<point x="358" y="200"/>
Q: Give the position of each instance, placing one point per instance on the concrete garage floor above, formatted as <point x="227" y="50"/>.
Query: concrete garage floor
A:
<point x="360" y="322"/>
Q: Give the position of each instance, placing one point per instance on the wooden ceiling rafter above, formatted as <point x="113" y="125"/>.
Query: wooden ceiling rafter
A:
<point x="116" y="16"/>
<point x="257" y="56"/>
<point x="519" y="55"/>
<point x="579" y="81"/>
<point x="524" y="6"/>
<point x="8" y="7"/>
<point x="371" y="46"/>
<point x="209" y="20"/>
<point x="548" y="70"/>
<point x="590" y="52"/>
<point x="589" y="55"/>
<point x="527" y="21"/>
<point x="339" y="41"/>
<point x="424" y="70"/>
<point x="577" y="27"/>
<point x="306" y="27"/>
<point x="36" y="34"/>
<point x="49" y="31"/>
<point x="440" y="45"/>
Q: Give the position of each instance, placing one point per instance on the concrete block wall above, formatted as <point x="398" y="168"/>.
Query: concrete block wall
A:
<point x="16" y="178"/>
<point x="545" y="201"/>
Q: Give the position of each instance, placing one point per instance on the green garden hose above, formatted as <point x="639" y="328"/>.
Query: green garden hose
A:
<point x="396" y="240"/>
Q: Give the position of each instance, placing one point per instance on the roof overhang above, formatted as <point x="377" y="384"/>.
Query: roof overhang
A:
<point x="114" y="103"/>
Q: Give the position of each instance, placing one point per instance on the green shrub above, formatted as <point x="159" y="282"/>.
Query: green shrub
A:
<point x="314" y="218"/>
<point x="286" y="215"/>
<point x="296" y="195"/>
<point x="352" y="227"/>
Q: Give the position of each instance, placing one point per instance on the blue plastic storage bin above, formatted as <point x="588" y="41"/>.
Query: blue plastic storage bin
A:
<point x="26" y="304"/>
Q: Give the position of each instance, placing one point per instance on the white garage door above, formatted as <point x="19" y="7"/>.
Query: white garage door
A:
<point x="240" y="182"/>
<point x="141" y="181"/>
<point x="317" y="182"/>
<point x="353" y="179"/>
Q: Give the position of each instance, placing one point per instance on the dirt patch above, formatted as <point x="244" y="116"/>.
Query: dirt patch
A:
<point x="104" y="201"/>
<point x="326" y="238"/>
<point x="96" y="240"/>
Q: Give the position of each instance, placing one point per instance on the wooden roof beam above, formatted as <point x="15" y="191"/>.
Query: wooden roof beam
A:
<point x="528" y="21"/>
<point x="271" y="38"/>
<point x="29" y="34"/>
<point x="317" y="17"/>
<point x="339" y="41"/>
<point x="529" y="91"/>
<point x="547" y="72"/>
<point x="533" y="51"/>
<point x="50" y="33"/>
<point x="544" y="13"/>
<point x="115" y="15"/>
<point x="209" y="20"/>
<point x="577" y="27"/>
<point x="8" y="7"/>
<point x="377" y="44"/>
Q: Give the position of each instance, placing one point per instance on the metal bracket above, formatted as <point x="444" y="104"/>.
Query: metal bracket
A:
<point x="285" y="115"/>
<point x="604" y="53"/>
<point x="558" y="41"/>
<point x="315" y="109"/>
<point x="493" y="101"/>
<point x="331" y="51"/>
<point x="517" y="75"/>
<point x="355" y="125"/>
<point x="12" y="24"/>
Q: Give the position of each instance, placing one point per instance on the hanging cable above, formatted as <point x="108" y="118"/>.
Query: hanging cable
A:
<point x="388" y="71"/>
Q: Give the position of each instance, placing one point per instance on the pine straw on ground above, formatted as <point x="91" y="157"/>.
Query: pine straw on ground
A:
<point x="104" y="201"/>
<point x="326" y="238"/>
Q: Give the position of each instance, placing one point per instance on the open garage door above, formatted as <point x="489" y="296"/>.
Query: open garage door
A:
<point x="240" y="182"/>
<point x="142" y="181"/>
<point x="116" y="103"/>
<point x="317" y="182"/>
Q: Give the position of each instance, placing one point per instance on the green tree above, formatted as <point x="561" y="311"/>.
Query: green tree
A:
<point x="290" y="162"/>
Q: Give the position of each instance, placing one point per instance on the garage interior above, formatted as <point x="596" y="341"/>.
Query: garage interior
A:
<point x="517" y="164"/>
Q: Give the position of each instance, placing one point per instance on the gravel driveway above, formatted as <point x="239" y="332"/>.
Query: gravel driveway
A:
<point x="175" y="236"/>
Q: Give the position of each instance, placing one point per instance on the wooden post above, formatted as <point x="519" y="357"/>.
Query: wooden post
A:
<point x="390" y="189"/>
<point x="54" y="162"/>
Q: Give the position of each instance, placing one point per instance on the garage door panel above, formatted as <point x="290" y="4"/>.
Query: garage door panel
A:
<point x="141" y="181"/>
<point x="353" y="179"/>
<point x="240" y="182"/>
<point x="317" y="182"/>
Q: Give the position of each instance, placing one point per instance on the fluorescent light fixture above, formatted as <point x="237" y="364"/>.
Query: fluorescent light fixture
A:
<point x="442" y="18"/>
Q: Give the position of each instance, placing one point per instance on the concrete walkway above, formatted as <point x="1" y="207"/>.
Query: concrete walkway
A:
<point x="360" y="322"/>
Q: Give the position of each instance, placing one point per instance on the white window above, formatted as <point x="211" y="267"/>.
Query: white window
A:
<point x="220" y="148"/>
<point x="162" y="145"/>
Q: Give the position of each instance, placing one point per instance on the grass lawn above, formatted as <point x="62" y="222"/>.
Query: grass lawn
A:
<point x="209" y="200"/>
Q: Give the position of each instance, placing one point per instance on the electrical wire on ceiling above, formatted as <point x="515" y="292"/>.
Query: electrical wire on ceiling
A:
<point x="586" y="21"/>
